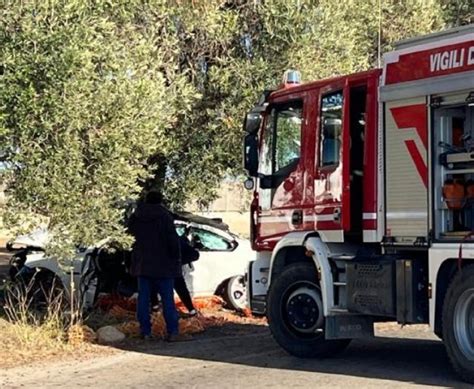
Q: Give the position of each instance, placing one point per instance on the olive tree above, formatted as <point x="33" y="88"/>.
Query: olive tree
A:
<point x="87" y="96"/>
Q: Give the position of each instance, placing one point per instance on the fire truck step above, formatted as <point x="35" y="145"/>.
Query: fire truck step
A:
<point x="342" y="257"/>
<point x="349" y="327"/>
<point x="338" y="311"/>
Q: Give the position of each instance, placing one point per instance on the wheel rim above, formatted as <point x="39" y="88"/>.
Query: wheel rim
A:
<point x="464" y="323"/>
<point x="238" y="292"/>
<point x="303" y="309"/>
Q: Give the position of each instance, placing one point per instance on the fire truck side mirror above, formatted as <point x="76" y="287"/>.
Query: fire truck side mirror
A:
<point x="251" y="154"/>
<point x="252" y="121"/>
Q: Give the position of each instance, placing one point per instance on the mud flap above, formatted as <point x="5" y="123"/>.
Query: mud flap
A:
<point x="349" y="327"/>
<point x="257" y="286"/>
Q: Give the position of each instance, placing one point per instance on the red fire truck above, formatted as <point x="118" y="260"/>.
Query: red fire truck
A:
<point x="363" y="207"/>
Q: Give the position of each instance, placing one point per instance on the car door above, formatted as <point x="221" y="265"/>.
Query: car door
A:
<point x="216" y="262"/>
<point x="281" y="186"/>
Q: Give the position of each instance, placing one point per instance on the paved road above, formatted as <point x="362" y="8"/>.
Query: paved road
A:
<point x="247" y="357"/>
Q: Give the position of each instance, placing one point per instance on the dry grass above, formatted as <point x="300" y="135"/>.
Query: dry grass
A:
<point x="24" y="344"/>
<point x="28" y="335"/>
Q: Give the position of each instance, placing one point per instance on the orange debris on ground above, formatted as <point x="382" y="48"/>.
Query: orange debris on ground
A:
<point x="105" y="302"/>
<point x="121" y="313"/>
<point x="212" y="315"/>
<point x="79" y="334"/>
<point x="200" y="303"/>
<point x="191" y="325"/>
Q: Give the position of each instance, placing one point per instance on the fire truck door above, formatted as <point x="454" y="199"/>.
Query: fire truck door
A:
<point x="281" y="171"/>
<point x="328" y="187"/>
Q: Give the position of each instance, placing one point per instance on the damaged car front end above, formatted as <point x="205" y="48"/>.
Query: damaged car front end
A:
<point x="42" y="277"/>
<point x="105" y="269"/>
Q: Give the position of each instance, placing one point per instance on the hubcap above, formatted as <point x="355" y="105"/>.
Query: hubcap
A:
<point x="238" y="291"/>
<point x="464" y="323"/>
<point x="304" y="309"/>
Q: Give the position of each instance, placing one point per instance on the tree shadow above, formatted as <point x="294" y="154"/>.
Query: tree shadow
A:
<point x="417" y="361"/>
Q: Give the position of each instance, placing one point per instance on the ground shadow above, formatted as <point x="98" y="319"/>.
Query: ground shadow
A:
<point x="417" y="361"/>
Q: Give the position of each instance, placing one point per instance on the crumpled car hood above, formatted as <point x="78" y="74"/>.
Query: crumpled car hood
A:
<point x="37" y="238"/>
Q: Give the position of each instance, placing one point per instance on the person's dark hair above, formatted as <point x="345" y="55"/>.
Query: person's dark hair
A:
<point x="154" y="197"/>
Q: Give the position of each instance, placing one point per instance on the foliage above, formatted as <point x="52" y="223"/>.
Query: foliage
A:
<point x="458" y="12"/>
<point x="86" y="96"/>
<point x="245" y="47"/>
<point x="100" y="97"/>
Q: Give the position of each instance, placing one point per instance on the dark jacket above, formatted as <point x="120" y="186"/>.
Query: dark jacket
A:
<point x="188" y="253"/>
<point x="156" y="251"/>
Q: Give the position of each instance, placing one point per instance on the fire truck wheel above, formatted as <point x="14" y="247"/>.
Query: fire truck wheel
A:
<point x="295" y="314"/>
<point x="458" y="323"/>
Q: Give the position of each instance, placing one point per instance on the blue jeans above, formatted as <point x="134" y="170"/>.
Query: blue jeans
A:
<point x="164" y="286"/>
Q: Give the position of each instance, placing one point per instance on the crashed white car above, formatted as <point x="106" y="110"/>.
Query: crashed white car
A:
<point x="220" y="270"/>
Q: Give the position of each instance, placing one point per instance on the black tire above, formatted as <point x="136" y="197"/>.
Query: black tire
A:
<point x="459" y="343"/>
<point x="235" y="298"/>
<point x="38" y="291"/>
<point x="303" y="345"/>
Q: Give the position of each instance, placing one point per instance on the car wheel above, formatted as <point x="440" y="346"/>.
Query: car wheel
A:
<point x="235" y="293"/>
<point x="458" y="323"/>
<point x="295" y="314"/>
<point x="36" y="292"/>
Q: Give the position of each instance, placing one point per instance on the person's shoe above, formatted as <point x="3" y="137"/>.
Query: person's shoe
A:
<point x="147" y="337"/>
<point x="178" y="338"/>
<point x="183" y="315"/>
<point x="187" y="315"/>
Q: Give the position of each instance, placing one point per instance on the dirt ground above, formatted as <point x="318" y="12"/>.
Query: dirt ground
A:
<point x="237" y="355"/>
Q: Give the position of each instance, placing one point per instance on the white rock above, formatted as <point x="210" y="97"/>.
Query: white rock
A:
<point x="109" y="334"/>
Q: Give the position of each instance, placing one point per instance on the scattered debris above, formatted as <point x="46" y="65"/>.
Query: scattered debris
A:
<point x="212" y="314"/>
<point x="109" y="334"/>
<point x="79" y="334"/>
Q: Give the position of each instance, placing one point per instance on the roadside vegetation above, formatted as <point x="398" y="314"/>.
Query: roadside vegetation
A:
<point x="38" y="333"/>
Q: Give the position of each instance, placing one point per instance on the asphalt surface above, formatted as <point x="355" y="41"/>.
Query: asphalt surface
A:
<point x="243" y="356"/>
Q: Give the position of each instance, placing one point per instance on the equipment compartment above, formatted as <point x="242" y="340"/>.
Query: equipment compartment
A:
<point x="453" y="188"/>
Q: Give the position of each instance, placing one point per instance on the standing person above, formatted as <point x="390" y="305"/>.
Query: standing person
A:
<point x="188" y="255"/>
<point x="156" y="262"/>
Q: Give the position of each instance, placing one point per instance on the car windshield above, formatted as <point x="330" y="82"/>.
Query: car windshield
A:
<point x="206" y="240"/>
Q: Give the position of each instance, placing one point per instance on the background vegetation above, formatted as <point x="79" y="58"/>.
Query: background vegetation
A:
<point x="101" y="98"/>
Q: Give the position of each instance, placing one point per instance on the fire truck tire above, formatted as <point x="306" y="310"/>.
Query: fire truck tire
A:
<point x="458" y="323"/>
<point x="295" y="314"/>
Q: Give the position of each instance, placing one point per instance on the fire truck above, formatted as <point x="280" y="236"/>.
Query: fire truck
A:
<point x="363" y="201"/>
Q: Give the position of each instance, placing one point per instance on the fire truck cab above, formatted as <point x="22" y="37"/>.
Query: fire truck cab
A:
<point x="363" y="204"/>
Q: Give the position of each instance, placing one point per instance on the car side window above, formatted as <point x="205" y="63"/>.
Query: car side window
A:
<point x="180" y="229"/>
<point x="204" y="240"/>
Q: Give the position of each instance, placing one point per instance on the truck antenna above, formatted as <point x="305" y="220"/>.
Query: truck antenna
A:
<point x="379" y="38"/>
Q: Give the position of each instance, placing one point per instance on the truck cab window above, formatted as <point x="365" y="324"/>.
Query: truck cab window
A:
<point x="267" y="146"/>
<point x="331" y="129"/>
<point x="288" y="136"/>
